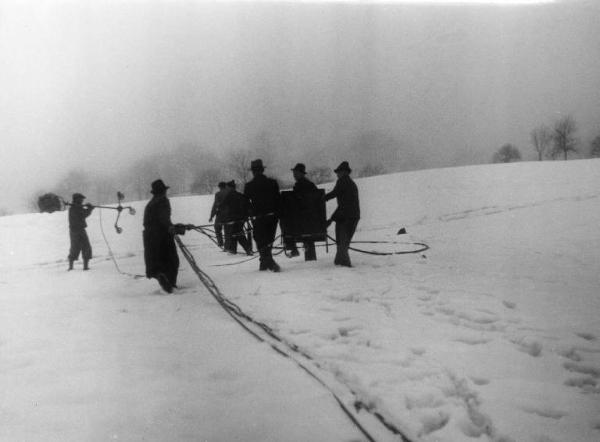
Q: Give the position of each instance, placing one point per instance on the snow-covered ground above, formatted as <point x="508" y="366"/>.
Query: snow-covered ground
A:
<point x="492" y="334"/>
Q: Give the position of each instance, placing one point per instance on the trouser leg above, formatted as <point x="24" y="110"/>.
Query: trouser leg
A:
<point x="86" y="250"/>
<point x="75" y="248"/>
<point x="310" y="254"/>
<point x="219" y="232"/>
<point x="264" y="235"/>
<point x="344" y="231"/>
<point x="240" y="237"/>
<point x="230" y="244"/>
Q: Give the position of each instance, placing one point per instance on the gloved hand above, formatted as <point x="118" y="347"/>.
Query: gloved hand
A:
<point x="210" y="219"/>
<point x="180" y="229"/>
<point x="89" y="206"/>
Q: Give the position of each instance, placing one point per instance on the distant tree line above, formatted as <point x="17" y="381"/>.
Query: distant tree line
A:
<point x="556" y="142"/>
<point x="192" y="168"/>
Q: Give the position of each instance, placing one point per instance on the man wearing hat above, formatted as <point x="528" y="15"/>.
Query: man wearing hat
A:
<point x="236" y="209"/>
<point x="80" y="242"/>
<point x="346" y="215"/>
<point x="160" y="252"/>
<point x="302" y="187"/>
<point x="219" y="211"/>
<point x="263" y="194"/>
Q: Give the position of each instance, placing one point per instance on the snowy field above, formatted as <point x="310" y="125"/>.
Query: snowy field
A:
<point x="493" y="334"/>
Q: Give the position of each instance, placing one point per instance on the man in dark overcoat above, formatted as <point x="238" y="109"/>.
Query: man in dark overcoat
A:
<point x="236" y="208"/>
<point x="264" y="197"/>
<point x="346" y="214"/>
<point x="160" y="251"/>
<point x="302" y="187"/>
<point x="80" y="242"/>
<point x="218" y="212"/>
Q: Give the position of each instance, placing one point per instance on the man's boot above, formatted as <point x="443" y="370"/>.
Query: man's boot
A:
<point x="70" y="264"/>
<point x="274" y="267"/>
<point x="85" y="264"/>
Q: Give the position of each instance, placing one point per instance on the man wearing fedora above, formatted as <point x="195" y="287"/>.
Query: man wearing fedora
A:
<point x="302" y="187"/>
<point x="236" y="208"/>
<point x="80" y="243"/>
<point x="346" y="214"/>
<point x="160" y="251"/>
<point x="264" y="197"/>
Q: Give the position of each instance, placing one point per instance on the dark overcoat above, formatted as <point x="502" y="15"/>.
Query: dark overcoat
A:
<point x="263" y="194"/>
<point x="160" y="251"/>
<point x="217" y="207"/>
<point x="236" y="206"/>
<point x="346" y="193"/>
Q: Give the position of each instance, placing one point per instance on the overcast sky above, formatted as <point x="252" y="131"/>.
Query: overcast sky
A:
<point x="100" y="84"/>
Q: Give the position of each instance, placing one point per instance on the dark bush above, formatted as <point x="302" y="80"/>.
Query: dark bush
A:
<point x="49" y="202"/>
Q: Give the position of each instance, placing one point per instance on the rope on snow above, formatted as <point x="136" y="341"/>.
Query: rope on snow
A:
<point x="246" y="321"/>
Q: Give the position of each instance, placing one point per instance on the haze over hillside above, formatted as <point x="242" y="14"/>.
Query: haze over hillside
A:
<point x="99" y="87"/>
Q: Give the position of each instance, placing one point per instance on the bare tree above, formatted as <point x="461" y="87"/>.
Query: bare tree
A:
<point x="595" y="150"/>
<point x="563" y="137"/>
<point x="507" y="154"/>
<point x="371" y="170"/>
<point x="206" y="181"/>
<point x="74" y="181"/>
<point x="238" y="163"/>
<point x="541" y="137"/>
<point x="320" y="175"/>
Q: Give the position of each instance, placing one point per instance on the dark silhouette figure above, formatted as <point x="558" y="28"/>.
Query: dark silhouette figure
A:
<point x="302" y="187"/>
<point x="264" y="197"/>
<point x="346" y="215"/>
<point x="80" y="242"/>
<point x="218" y="213"/>
<point x="236" y="208"/>
<point x="160" y="251"/>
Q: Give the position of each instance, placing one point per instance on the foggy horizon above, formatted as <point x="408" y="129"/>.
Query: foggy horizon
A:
<point x="99" y="86"/>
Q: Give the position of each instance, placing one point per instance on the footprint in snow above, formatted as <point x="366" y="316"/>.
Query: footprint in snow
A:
<point x="479" y="381"/>
<point x="547" y="412"/>
<point x="472" y="340"/>
<point x="586" y="383"/>
<point x="528" y="345"/>
<point x="509" y="304"/>
<point x="583" y="369"/>
<point x="587" y="336"/>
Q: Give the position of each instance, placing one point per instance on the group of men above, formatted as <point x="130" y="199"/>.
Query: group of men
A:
<point x="260" y="202"/>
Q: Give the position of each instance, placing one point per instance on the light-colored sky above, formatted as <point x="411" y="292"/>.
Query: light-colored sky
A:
<point x="99" y="84"/>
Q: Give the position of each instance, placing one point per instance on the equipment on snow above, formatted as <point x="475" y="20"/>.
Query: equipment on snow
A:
<point x="119" y="208"/>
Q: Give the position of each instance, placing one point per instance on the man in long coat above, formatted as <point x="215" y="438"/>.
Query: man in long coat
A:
<point x="346" y="215"/>
<point x="264" y="197"/>
<point x="160" y="251"/>
<point x="80" y="242"/>
<point x="218" y="212"/>
<point x="302" y="187"/>
<point x="236" y="208"/>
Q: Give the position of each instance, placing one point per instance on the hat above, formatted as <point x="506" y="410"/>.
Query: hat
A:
<point x="343" y="167"/>
<point x="222" y="184"/>
<point x="78" y="196"/>
<point x="231" y="183"/>
<point x="158" y="187"/>
<point x="257" y="165"/>
<point x="299" y="168"/>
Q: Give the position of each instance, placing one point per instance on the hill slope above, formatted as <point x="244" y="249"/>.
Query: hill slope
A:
<point x="492" y="334"/>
